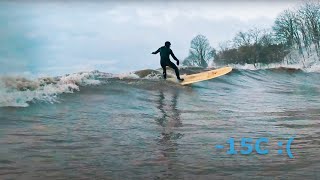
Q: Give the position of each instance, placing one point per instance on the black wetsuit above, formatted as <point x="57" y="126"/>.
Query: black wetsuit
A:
<point x="165" y="60"/>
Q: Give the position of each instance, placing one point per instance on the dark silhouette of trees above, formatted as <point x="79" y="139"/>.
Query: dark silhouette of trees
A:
<point x="292" y="30"/>
<point x="251" y="47"/>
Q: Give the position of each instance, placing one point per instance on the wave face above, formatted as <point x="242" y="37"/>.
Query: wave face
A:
<point x="20" y="91"/>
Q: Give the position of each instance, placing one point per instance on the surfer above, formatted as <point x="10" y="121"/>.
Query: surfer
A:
<point x="165" y="52"/>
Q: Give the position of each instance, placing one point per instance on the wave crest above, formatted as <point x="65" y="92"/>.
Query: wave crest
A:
<point x="20" y="91"/>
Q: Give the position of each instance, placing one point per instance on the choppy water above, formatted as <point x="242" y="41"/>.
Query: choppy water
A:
<point x="148" y="128"/>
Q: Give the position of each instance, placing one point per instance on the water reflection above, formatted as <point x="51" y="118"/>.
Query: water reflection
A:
<point x="170" y="122"/>
<point x="170" y="115"/>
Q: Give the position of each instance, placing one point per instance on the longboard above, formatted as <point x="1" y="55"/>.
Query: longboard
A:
<point x="193" y="78"/>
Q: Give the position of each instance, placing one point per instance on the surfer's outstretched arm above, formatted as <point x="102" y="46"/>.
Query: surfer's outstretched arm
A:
<point x="156" y="52"/>
<point x="174" y="57"/>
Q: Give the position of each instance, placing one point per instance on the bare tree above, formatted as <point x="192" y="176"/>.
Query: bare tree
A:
<point x="256" y="35"/>
<point x="200" y="53"/>
<point x="303" y="30"/>
<point x="300" y="29"/>
<point x="242" y="39"/>
<point x="285" y="28"/>
<point x="310" y="15"/>
<point x="249" y="38"/>
<point x="224" y="46"/>
<point x="266" y="38"/>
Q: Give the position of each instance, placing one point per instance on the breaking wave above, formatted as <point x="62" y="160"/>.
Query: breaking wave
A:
<point x="20" y="91"/>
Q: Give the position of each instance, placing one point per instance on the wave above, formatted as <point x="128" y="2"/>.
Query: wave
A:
<point x="20" y="92"/>
<point x="283" y="66"/>
<point x="17" y="91"/>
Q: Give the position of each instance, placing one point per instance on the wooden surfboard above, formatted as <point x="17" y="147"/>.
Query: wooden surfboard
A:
<point x="193" y="78"/>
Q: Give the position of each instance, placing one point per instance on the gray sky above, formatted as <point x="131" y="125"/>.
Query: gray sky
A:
<point x="119" y="37"/>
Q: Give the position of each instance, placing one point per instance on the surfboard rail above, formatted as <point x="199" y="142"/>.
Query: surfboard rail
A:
<point x="193" y="78"/>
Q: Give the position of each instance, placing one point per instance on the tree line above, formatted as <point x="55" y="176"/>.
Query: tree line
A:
<point x="292" y="30"/>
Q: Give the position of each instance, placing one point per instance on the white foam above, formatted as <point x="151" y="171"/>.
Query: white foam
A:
<point x="153" y="76"/>
<point x="19" y="91"/>
<point x="130" y="75"/>
<point x="245" y="66"/>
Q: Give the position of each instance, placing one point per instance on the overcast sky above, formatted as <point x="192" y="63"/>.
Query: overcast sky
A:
<point x="55" y="37"/>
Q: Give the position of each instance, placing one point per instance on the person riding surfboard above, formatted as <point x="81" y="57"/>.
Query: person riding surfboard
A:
<point x="165" y="52"/>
